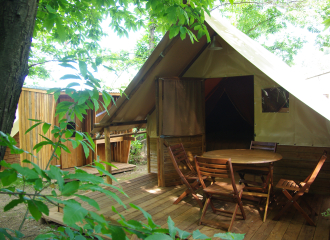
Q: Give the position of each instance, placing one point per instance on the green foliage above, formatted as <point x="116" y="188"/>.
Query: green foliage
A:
<point x="271" y="23"/>
<point x="85" y="222"/>
<point x="71" y="28"/>
<point x="326" y="213"/>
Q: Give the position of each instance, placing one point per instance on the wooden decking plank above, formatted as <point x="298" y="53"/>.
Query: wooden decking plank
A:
<point x="103" y="198"/>
<point x="150" y="180"/>
<point x="149" y="204"/>
<point x="307" y="231"/>
<point x="265" y="229"/>
<point x="323" y="224"/>
<point x="158" y="201"/>
<point x="140" y="200"/>
<point x="281" y="226"/>
<point x="174" y="210"/>
<point x="108" y="208"/>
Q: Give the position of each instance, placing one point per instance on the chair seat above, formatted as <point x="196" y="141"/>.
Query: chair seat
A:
<point x="290" y="185"/>
<point x="253" y="172"/>
<point x="222" y="187"/>
<point x="192" y="175"/>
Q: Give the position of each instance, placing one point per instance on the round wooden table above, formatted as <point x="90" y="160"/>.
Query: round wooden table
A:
<point x="245" y="156"/>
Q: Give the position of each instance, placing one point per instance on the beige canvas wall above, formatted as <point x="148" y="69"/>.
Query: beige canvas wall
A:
<point x="302" y="126"/>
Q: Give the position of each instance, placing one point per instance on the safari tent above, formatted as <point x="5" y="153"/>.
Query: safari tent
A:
<point x="36" y="103"/>
<point x="221" y="99"/>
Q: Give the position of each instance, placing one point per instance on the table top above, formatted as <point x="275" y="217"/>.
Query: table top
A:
<point x="245" y="156"/>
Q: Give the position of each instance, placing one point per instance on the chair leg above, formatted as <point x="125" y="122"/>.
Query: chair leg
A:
<point x="267" y="203"/>
<point x="208" y="199"/>
<point x="233" y="218"/>
<point x="285" y="208"/>
<point x="183" y="195"/>
<point x="297" y="206"/>
<point x="212" y="206"/>
<point x="241" y="205"/>
<point x="312" y="211"/>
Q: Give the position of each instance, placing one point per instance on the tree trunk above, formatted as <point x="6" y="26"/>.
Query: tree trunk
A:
<point x="17" y="19"/>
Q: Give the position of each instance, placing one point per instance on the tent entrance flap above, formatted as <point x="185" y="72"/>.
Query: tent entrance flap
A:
<point x="229" y="112"/>
<point x="181" y="106"/>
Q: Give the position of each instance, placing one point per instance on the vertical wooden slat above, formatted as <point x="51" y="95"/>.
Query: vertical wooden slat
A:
<point x="20" y="124"/>
<point x="108" y="152"/>
<point x="161" y="180"/>
<point x="148" y="153"/>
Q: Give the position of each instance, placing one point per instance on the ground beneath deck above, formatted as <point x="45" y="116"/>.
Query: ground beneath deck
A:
<point x="158" y="201"/>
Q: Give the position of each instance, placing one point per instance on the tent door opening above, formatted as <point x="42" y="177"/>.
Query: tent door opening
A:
<point x="229" y="112"/>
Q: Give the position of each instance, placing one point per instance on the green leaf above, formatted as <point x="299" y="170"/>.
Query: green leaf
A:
<point x="33" y="126"/>
<point x="65" y="64"/>
<point x="70" y="188"/>
<point x="146" y="215"/>
<point x="85" y="177"/>
<point x="90" y="201"/>
<point x="79" y="136"/>
<point x="38" y="184"/>
<point x="7" y="180"/>
<point x="46" y="236"/>
<point x="117" y="233"/>
<point x="326" y="24"/>
<point x="26" y="172"/>
<point x="174" y="30"/>
<point x="86" y="149"/>
<point x="183" y="234"/>
<point x="69" y="133"/>
<point x="36" y="214"/>
<point x="55" y="173"/>
<point x="70" y="76"/>
<point x="158" y="236"/>
<point x="106" y="98"/>
<point x="198" y="235"/>
<point x="45" y="127"/>
<point x="73" y="212"/>
<point x="12" y="204"/>
<point x="60" y="29"/>
<point x="230" y="236"/>
<point x="41" y="207"/>
<point x="73" y="84"/>
<point x="50" y="9"/>
<point x="171" y="227"/>
<point x="83" y="68"/>
<point x="39" y="145"/>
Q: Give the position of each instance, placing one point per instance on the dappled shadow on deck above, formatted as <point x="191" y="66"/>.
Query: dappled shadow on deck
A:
<point x="158" y="201"/>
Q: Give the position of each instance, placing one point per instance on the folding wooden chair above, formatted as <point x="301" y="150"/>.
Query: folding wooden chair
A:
<point x="255" y="188"/>
<point x="221" y="190"/>
<point x="268" y="146"/>
<point x="298" y="189"/>
<point x="179" y="157"/>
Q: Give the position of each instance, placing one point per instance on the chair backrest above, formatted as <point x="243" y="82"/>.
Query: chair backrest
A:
<point x="270" y="146"/>
<point x="179" y="156"/>
<point x="310" y="179"/>
<point x="215" y="168"/>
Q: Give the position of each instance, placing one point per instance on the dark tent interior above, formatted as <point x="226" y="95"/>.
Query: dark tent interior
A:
<point x="229" y="112"/>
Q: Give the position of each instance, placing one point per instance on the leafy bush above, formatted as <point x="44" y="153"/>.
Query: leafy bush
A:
<point x="85" y="222"/>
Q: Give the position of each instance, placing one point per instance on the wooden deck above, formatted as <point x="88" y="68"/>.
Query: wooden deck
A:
<point x="158" y="201"/>
<point x="121" y="167"/>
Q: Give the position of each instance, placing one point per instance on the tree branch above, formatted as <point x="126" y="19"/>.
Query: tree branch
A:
<point x="257" y="3"/>
<point x="262" y="22"/>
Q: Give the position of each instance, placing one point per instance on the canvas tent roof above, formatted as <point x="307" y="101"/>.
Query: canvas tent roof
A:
<point x="173" y="57"/>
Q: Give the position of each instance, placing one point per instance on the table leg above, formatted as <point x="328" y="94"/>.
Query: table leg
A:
<point x="271" y="168"/>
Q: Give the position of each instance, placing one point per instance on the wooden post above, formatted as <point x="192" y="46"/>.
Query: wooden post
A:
<point x="148" y="153"/>
<point x="107" y="152"/>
